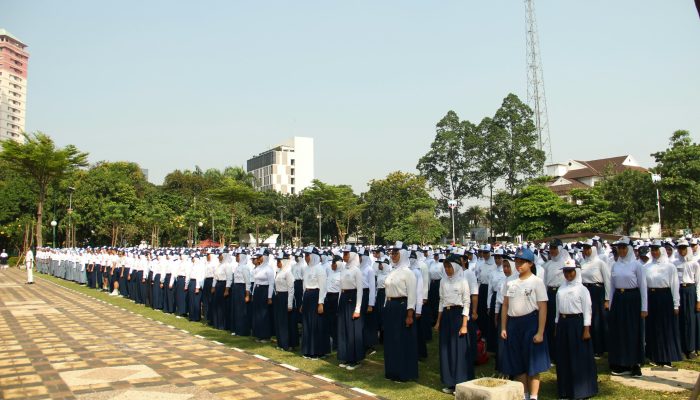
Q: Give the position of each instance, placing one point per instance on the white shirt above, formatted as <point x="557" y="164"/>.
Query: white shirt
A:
<point x="628" y="275"/>
<point x="496" y="281"/>
<point x="315" y="278"/>
<point x="484" y="269"/>
<point x="455" y="292"/>
<point x="663" y="275"/>
<point x="595" y="270"/>
<point x="351" y="278"/>
<point x="382" y="273"/>
<point x="574" y="298"/>
<point x="368" y="282"/>
<point x="688" y="273"/>
<point x="264" y="275"/>
<point x="419" y="289"/>
<point x="284" y="282"/>
<point x="502" y="290"/>
<point x="401" y="282"/>
<point x="333" y="279"/>
<point x="223" y="272"/>
<point x="524" y="294"/>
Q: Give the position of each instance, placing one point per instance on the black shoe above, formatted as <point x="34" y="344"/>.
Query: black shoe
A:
<point x="636" y="372"/>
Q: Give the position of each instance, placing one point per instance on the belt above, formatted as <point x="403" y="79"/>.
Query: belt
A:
<point x="397" y="298"/>
<point x="687" y="284"/>
<point x="571" y="315"/>
<point x="553" y="288"/>
<point x="180" y="276"/>
<point x="622" y="290"/>
<point x="654" y="289"/>
<point x="448" y="308"/>
<point x="313" y="289"/>
<point x="593" y="284"/>
<point x="348" y="290"/>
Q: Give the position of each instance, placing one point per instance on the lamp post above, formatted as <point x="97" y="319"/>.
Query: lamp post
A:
<point x="452" y="204"/>
<point x="656" y="178"/>
<point x="53" y="225"/>
<point x="318" y="215"/>
<point x="196" y="239"/>
<point x="282" y="225"/>
<point x="70" y="238"/>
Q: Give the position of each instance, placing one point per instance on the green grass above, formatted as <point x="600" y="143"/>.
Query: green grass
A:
<point x="371" y="375"/>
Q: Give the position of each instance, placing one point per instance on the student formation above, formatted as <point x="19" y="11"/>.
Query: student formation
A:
<point x="534" y="306"/>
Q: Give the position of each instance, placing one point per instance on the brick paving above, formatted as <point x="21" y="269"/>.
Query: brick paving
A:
<point x="58" y="344"/>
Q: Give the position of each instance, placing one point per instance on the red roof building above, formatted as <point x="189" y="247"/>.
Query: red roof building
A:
<point x="577" y="174"/>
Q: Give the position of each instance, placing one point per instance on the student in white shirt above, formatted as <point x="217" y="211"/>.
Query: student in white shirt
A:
<point x="240" y="312"/>
<point x="286" y="332"/>
<point x="314" y="341"/>
<point x="689" y="317"/>
<point x="577" y="376"/>
<point x="595" y="275"/>
<point x="453" y="315"/>
<point x="263" y="290"/>
<point x="330" y="304"/>
<point x="351" y="348"/>
<point x="222" y="275"/>
<point x="523" y="317"/>
<point x="663" y="344"/>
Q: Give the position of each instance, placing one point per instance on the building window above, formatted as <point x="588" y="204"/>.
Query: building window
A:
<point x="292" y="171"/>
<point x="292" y="161"/>
<point x="292" y="190"/>
<point x="292" y="181"/>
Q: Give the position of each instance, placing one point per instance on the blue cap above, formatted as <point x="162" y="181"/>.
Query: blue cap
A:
<point x="525" y="254"/>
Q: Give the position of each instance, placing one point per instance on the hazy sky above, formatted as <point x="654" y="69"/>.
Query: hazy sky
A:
<point x="174" y="84"/>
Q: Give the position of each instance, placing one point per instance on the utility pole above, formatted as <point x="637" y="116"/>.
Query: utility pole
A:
<point x="535" y="81"/>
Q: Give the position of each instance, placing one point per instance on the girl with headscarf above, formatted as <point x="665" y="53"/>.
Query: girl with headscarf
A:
<point x="263" y="290"/>
<point x="553" y="277"/>
<point x="628" y="308"/>
<point x="595" y="275"/>
<point x="453" y="315"/>
<point x="195" y="282"/>
<point x="369" y="298"/>
<point x="330" y="304"/>
<point x="222" y="275"/>
<point x="240" y="312"/>
<point x="420" y="334"/>
<point x="400" y="351"/>
<point x="689" y="318"/>
<point x="287" y="336"/>
<point x="663" y="344"/>
<point x="314" y="343"/>
<point x="351" y="348"/>
<point x="382" y="268"/>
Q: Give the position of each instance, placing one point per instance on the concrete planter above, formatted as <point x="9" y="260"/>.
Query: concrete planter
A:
<point x="489" y="389"/>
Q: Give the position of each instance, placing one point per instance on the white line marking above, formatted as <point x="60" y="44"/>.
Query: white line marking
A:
<point x="323" y="378"/>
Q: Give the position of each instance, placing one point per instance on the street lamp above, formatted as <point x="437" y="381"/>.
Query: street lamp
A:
<point x="452" y="204"/>
<point x="318" y="215"/>
<point x="53" y="225"/>
<point x="196" y="239"/>
<point x="71" y="239"/>
<point x="656" y="178"/>
<point x="282" y="225"/>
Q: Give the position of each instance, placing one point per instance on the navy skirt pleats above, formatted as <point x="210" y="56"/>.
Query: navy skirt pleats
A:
<point x="688" y="319"/>
<point x="206" y="300"/>
<point x="550" y="326"/>
<point x="491" y="334"/>
<point x="626" y="329"/>
<point x="520" y="354"/>
<point x="330" y="319"/>
<point x="577" y="376"/>
<point x="240" y="322"/>
<point x="157" y="292"/>
<point x="168" y="295"/>
<point x="219" y="305"/>
<point x="379" y="313"/>
<point x="454" y="349"/>
<point x="663" y="343"/>
<point x="194" y="301"/>
<point x="314" y="342"/>
<point x="180" y="296"/>
<point x="262" y="317"/>
<point x="400" y="352"/>
<point x="351" y="348"/>
<point x="148" y="299"/>
<point x="599" y="325"/>
<point x="121" y="276"/>
<point x="282" y="320"/>
<point x="434" y="300"/>
<point x="369" y="321"/>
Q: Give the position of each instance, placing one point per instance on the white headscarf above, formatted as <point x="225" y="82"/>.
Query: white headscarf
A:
<point x="403" y="259"/>
<point x="353" y="260"/>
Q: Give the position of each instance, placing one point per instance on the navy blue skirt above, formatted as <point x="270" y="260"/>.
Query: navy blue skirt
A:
<point x="206" y="300"/>
<point x="283" y="321"/>
<point x="157" y="293"/>
<point x="482" y="307"/>
<point x="491" y="334"/>
<point x="240" y="321"/>
<point x="330" y="319"/>
<point x="180" y="296"/>
<point x="599" y="324"/>
<point x="663" y="343"/>
<point x="262" y="321"/>
<point x="379" y="312"/>
<point x="194" y="301"/>
<point x="577" y="375"/>
<point x="433" y="300"/>
<point x="219" y="305"/>
<point x="454" y="349"/>
<point x="314" y="340"/>
<point x="168" y="295"/>
<point x="520" y="354"/>
<point x="351" y="347"/>
<point x="550" y="326"/>
<point x="369" y="321"/>
<point x="689" y="320"/>
<point x="626" y="329"/>
<point x="400" y="351"/>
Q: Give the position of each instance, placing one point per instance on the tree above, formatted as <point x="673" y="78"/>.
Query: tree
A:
<point x="523" y="159"/>
<point x="631" y="196"/>
<point x="39" y="160"/>
<point x="679" y="167"/>
<point x="339" y="203"/>
<point x="420" y="227"/>
<point x="501" y="211"/>
<point x="537" y="213"/>
<point x="392" y="199"/>
<point x="451" y="164"/>
<point x="590" y="212"/>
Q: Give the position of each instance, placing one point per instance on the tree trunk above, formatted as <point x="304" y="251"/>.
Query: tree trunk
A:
<point x="39" y="214"/>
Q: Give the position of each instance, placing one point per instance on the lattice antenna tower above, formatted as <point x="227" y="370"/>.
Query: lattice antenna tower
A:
<point x="535" y="81"/>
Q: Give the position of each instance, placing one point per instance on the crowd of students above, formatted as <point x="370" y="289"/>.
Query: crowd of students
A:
<point x="535" y="305"/>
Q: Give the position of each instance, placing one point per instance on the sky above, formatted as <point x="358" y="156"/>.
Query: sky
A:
<point x="178" y="84"/>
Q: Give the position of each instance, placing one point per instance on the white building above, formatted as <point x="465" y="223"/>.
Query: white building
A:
<point x="577" y="174"/>
<point x="13" y="86"/>
<point x="287" y="168"/>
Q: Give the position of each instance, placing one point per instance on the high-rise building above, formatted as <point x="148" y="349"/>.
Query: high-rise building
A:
<point x="13" y="86"/>
<point x="287" y="168"/>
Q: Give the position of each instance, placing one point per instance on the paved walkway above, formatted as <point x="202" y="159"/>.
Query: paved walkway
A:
<point x="59" y="344"/>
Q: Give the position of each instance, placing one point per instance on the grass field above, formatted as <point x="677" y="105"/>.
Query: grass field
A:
<point x="370" y="376"/>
